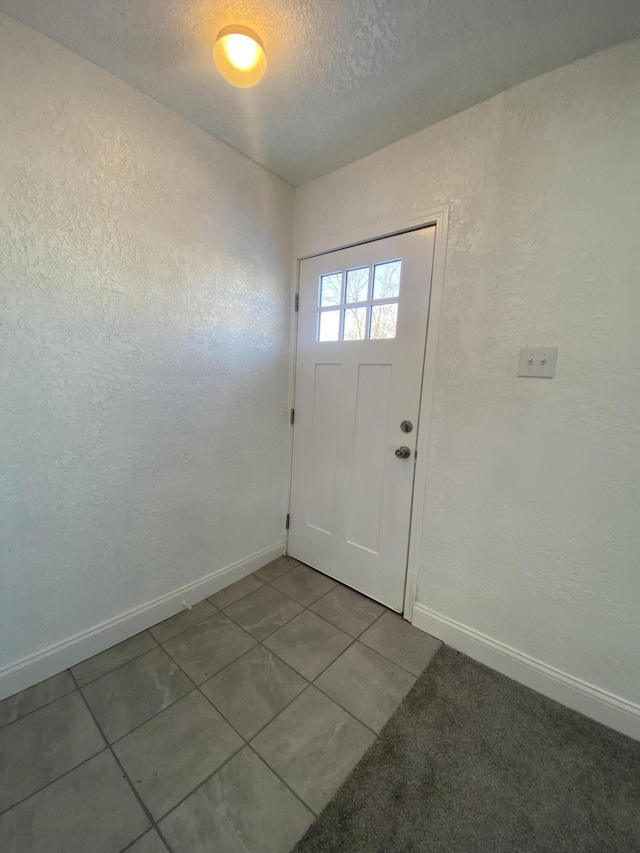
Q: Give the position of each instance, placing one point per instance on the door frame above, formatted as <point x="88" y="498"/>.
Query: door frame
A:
<point x="438" y="217"/>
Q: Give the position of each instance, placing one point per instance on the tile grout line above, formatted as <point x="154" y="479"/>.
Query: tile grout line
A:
<point x="350" y="713"/>
<point x="306" y="606"/>
<point x="330" y="698"/>
<point x="188" y="628"/>
<point x="197" y="687"/>
<point x="286" y="571"/>
<point x="140" y="837"/>
<point x="284" y="708"/>
<point x="320" y="673"/>
<point x="245" y="742"/>
<point x="161" y="644"/>
<point x="346" y="710"/>
<point x="158" y="644"/>
<point x="53" y="781"/>
<point x="351" y="637"/>
<point x="275" y="629"/>
<point x="198" y="786"/>
<point x="125" y="775"/>
<point x="245" y="745"/>
<point x="257" y="641"/>
<point x="40" y="707"/>
<point x="279" y="777"/>
<point x="309" y="683"/>
<point x="324" y="595"/>
<point x="364" y="631"/>
<point x="312" y="683"/>
<point x="353" y="641"/>
<point x="395" y="663"/>
<point x="243" y="595"/>
<point x="194" y="687"/>
<point x="148" y="720"/>
<point x="135" y="728"/>
<point x="119" y="666"/>
<point x="248" y="743"/>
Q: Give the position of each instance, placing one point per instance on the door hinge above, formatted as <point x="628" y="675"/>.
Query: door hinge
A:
<point x="293" y="416"/>
<point x="288" y="521"/>
<point x="297" y="303"/>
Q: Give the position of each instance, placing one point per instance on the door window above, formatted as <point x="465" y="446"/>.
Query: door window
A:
<point x="359" y="304"/>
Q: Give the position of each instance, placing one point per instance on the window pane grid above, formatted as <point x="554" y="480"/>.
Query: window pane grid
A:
<point x="360" y="303"/>
<point x="358" y="285"/>
<point x="384" y="319"/>
<point x="356" y="324"/>
<point x="331" y="289"/>
<point x="329" y="325"/>
<point x="386" y="280"/>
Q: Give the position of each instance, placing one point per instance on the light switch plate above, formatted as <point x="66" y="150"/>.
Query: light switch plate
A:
<point x="539" y="362"/>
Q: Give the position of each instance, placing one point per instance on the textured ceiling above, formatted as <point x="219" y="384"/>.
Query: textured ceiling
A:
<point x="345" y="77"/>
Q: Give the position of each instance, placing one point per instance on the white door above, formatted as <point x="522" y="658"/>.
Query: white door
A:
<point x="362" y="327"/>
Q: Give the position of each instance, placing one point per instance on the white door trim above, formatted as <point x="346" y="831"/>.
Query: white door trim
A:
<point x="438" y="216"/>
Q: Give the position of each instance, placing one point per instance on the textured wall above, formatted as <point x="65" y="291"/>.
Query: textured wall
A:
<point x="144" y="304"/>
<point x="531" y="530"/>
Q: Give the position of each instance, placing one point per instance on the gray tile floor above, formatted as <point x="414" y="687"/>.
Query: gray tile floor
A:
<point x="225" y="728"/>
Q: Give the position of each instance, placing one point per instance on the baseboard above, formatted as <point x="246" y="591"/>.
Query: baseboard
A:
<point x="60" y="656"/>
<point x="606" y="708"/>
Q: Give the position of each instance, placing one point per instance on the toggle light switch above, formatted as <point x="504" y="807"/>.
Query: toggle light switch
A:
<point x="539" y="362"/>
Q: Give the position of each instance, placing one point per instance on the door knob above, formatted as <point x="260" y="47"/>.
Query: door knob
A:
<point x="403" y="452"/>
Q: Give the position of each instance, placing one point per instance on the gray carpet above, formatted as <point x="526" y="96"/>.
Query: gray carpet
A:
<point x="473" y="761"/>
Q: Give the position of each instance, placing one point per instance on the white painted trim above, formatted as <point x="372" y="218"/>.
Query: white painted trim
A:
<point x="438" y="216"/>
<point x="293" y="352"/>
<point x="606" y="708"/>
<point x="382" y="228"/>
<point x="60" y="656"/>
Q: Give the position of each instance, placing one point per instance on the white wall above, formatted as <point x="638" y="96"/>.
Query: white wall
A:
<point x="532" y="533"/>
<point x="144" y="303"/>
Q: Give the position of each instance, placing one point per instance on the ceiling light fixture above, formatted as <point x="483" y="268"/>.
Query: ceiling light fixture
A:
<point x="239" y="56"/>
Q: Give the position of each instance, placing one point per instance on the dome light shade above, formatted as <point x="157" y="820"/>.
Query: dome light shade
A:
<point x="239" y="56"/>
